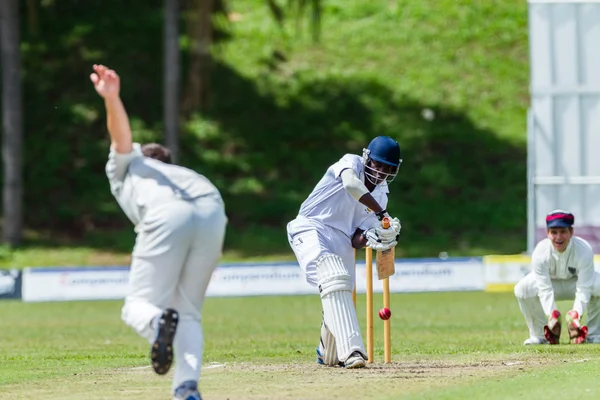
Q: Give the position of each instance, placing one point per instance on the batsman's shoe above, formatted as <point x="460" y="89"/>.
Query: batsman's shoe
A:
<point x="577" y="331"/>
<point x="552" y="330"/>
<point x="356" y="360"/>
<point x="161" y="352"/>
<point x="321" y="361"/>
<point x="535" y="341"/>
<point x="320" y="357"/>
<point x="187" y="391"/>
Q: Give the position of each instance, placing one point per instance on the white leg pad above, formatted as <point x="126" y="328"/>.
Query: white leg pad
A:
<point x="327" y="347"/>
<point x="339" y="315"/>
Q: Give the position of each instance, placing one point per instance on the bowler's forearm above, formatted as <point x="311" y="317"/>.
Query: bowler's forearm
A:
<point x="118" y="126"/>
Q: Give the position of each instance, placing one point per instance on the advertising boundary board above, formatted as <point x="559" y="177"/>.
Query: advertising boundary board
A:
<point x="251" y="279"/>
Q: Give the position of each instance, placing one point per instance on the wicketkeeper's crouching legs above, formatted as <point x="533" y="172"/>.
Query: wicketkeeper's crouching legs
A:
<point x="339" y="314"/>
<point x="527" y="295"/>
<point x="531" y="307"/>
<point x="593" y="320"/>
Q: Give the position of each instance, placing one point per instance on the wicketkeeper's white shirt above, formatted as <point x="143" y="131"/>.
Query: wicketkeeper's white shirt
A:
<point x="576" y="262"/>
<point x="333" y="206"/>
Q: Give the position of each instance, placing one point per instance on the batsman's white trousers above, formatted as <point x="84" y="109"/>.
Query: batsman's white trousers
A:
<point x="311" y="242"/>
<point x="526" y="292"/>
<point x="310" y="239"/>
<point x="178" y="246"/>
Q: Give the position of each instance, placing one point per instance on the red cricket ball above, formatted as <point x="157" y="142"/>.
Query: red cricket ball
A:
<point x="385" y="313"/>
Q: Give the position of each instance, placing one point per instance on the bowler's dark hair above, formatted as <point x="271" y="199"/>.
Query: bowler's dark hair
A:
<point x="157" y="151"/>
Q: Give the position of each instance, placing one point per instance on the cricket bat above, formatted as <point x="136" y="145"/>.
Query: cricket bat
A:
<point x="384" y="260"/>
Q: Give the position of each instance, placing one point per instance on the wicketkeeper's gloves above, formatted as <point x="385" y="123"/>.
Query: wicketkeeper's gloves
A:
<point x="552" y="330"/>
<point x="577" y="332"/>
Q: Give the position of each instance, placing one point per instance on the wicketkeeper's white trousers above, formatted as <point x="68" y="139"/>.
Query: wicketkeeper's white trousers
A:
<point x="526" y="292"/>
<point x="178" y="246"/>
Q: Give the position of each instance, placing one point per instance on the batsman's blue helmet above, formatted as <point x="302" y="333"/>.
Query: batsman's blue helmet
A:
<point x="385" y="150"/>
<point x="381" y="160"/>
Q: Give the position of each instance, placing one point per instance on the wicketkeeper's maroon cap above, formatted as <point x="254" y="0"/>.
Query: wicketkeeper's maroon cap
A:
<point x="560" y="219"/>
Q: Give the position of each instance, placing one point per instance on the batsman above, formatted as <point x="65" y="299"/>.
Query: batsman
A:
<point x="343" y="213"/>
<point x="562" y="269"/>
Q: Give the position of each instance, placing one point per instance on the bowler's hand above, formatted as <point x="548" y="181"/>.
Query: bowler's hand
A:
<point x="106" y="82"/>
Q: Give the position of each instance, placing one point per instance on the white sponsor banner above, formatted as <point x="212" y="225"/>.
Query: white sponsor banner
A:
<point x="428" y="275"/>
<point x="418" y="275"/>
<point x="258" y="279"/>
<point x="57" y="284"/>
<point x="253" y="279"/>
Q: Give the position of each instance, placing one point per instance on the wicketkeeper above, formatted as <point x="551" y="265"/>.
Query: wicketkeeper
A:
<point x="562" y="269"/>
<point x="343" y="213"/>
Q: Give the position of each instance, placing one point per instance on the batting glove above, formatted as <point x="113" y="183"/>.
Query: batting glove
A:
<point x="396" y="226"/>
<point x="391" y="233"/>
<point x="552" y="330"/>
<point x="375" y="242"/>
<point x="577" y="332"/>
<point x="386" y="235"/>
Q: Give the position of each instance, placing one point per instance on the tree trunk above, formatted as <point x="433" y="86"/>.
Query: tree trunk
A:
<point x="200" y="32"/>
<point x="11" y="122"/>
<point x="33" y="17"/>
<point x="172" y="74"/>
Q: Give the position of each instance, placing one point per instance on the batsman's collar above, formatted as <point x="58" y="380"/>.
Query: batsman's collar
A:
<point x="560" y="219"/>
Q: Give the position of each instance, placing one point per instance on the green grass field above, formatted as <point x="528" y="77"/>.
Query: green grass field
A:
<point x="445" y="346"/>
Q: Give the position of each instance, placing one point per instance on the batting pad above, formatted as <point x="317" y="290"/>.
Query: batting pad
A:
<point x="328" y="348"/>
<point x="335" y="286"/>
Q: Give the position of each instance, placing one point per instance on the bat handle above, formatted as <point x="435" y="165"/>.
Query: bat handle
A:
<point x="385" y="222"/>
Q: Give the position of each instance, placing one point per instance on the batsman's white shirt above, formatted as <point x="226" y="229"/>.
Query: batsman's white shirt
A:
<point x="575" y="263"/>
<point x="329" y="217"/>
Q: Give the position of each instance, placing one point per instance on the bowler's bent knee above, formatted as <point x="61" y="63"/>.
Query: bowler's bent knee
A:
<point x="139" y="315"/>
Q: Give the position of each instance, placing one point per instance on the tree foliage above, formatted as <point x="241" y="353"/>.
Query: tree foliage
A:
<point x="264" y="138"/>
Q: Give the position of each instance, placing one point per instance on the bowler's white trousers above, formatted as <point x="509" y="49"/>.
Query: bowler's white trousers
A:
<point x="564" y="289"/>
<point x="178" y="245"/>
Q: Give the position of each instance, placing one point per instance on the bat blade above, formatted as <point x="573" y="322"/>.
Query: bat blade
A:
<point x="385" y="259"/>
<point x="385" y="264"/>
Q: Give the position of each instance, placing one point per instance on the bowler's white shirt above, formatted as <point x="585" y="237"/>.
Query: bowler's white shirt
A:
<point x="139" y="183"/>
<point x="332" y="205"/>
<point x="576" y="262"/>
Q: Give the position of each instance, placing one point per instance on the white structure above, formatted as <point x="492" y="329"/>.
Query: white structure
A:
<point x="564" y="117"/>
